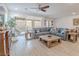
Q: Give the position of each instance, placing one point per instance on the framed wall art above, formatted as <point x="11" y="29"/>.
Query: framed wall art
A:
<point x="76" y="21"/>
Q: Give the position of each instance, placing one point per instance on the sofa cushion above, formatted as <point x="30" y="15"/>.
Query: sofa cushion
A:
<point x="38" y="31"/>
<point x="35" y="31"/>
<point x="42" y="33"/>
<point x="59" y="34"/>
<point x="41" y="29"/>
<point x="59" y="31"/>
<point x="53" y="30"/>
<point x="44" y="29"/>
<point x="63" y="32"/>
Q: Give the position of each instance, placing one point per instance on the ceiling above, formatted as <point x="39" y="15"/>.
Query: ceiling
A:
<point x="56" y="10"/>
<point x="2" y="9"/>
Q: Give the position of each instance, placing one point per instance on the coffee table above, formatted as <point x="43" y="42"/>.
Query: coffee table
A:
<point x="49" y="39"/>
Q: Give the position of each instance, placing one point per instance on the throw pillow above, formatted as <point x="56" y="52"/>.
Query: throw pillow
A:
<point x="35" y="31"/>
<point x="62" y="32"/>
<point x="52" y="30"/>
<point x="38" y="31"/>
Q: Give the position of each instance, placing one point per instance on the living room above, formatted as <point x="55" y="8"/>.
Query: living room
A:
<point x="32" y="29"/>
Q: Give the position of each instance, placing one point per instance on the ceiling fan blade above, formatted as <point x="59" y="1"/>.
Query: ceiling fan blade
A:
<point x="43" y="10"/>
<point x="45" y="7"/>
<point x="40" y="7"/>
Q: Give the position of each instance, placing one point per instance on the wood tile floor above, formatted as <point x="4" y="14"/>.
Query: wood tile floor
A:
<point x="23" y="47"/>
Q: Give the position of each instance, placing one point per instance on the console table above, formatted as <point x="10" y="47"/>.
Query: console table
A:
<point x="72" y="36"/>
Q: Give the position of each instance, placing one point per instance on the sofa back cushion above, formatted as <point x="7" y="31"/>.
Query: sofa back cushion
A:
<point x="53" y="30"/>
<point x="46" y="29"/>
<point x="61" y="30"/>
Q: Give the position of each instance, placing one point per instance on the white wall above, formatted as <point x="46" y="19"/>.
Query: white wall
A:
<point x="65" y="22"/>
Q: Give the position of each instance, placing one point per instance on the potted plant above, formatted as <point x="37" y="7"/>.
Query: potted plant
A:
<point x="11" y="24"/>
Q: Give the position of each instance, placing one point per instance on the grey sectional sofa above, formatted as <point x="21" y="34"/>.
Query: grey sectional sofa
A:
<point x="41" y="31"/>
<point x="50" y="30"/>
<point x="61" y="32"/>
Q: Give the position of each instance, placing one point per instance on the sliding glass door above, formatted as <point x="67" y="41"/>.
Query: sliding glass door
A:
<point x="20" y="25"/>
<point x="28" y="25"/>
<point x="37" y="24"/>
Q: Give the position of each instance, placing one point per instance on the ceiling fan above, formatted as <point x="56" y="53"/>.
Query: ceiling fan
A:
<point x="41" y="7"/>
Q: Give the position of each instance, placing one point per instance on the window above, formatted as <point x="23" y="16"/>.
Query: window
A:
<point x="28" y="24"/>
<point x="37" y="24"/>
<point x="20" y="25"/>
<point x="48" y="23"/>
